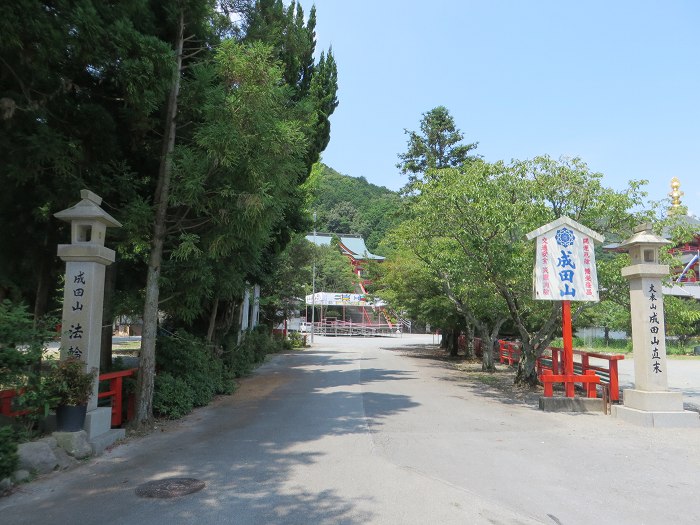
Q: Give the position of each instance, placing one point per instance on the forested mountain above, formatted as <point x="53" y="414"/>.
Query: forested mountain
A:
<point x="346" y="204"/>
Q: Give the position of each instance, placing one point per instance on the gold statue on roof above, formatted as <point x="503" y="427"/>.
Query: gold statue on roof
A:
<point x="676" y="193"/>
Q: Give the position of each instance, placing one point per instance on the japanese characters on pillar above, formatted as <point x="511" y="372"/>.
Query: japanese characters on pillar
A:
<point x="565" y="268"/>
<point x="77" y="287"/>
<point x="654" y="328"/>
<point x="645" y="274"/>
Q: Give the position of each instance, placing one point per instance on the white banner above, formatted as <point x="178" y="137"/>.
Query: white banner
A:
<point x="341" y="299"/>
<point x="565" y="267"/>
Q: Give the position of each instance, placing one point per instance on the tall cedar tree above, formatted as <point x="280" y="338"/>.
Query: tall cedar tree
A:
<point x="80" y="81"/>
<point x="437" y="146"/>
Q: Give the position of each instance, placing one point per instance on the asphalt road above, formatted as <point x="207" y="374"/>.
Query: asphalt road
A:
<point x="357" y="431"/>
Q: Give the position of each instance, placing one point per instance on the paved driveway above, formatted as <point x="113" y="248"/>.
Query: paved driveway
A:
<point x="356" y="431"/>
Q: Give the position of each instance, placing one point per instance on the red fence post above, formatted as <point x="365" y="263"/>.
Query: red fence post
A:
<point x="6" y="402"/>
<point x="116" y="386"/>
<point x="614" y="381"/>
<point x="584" y="362"/>
<point x="548" y="387"/>
<point x="591" y="386"/>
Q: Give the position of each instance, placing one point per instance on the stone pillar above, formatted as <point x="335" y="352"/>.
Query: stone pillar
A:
<point x="86" y="258"/>
<point x="649" y="403"/>
<point x="255" y="314"/>
<point x="245" y="313"/>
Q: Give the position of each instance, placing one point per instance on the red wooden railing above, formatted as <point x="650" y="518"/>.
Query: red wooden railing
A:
<point x="6" y="397"/>
<point x="508" y="352"/>
<point x="115" y="394"/>
<point x="607" y="370"/>
<point x="552" y="365"/>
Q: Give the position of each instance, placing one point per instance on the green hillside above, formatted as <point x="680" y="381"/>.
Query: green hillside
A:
<point x="346" y="204"/>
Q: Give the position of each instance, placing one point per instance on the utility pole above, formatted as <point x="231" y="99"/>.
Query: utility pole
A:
<point x="313" y="287"/>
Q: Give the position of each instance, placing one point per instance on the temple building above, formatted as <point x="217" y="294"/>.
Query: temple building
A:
<point x="342" y="313"/>
<point x="685" y="280"/>
<point x="353" y="247"/>
<point x="686" y="276"/>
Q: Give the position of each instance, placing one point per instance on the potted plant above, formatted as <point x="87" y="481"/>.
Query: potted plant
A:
<point x="69" y="387"/>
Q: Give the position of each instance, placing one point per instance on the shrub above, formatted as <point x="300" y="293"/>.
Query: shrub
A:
<point x="67" y="383"/>
<point x="8" y="452"/>
<point x="172" y="397"/>
<point x="239" y="359"/>
<point x="190" y="359"/>
<point x="21" y="346"/>
<point x="242" y="358"/>
<point x="296" y="340"/>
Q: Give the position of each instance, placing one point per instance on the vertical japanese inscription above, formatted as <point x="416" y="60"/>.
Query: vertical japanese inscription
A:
<point x="565" y="266"/>
<point x="545" y="267"/>
<point x="587" y="273"/>
<point x="76" y="330"/>
<point x="654" y="326"/>
<point x="565" y="238"/>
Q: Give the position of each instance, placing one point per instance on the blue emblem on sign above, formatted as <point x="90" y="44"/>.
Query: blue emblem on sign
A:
<point x="565" y="237"/>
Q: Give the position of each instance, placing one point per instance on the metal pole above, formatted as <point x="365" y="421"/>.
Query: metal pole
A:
<point x="313" y="286"/>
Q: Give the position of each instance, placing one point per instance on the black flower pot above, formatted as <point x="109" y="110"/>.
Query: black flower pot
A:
<point x="70" y="418"/>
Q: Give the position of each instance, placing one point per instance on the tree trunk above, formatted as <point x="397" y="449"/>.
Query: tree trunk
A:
<point x="444" y="339"/>
<point x="526" y="373"/>
<point x="43" y="270"/>
<point x="146" y="377"/>
<point x="606" y="336"/>
<point x="107" y="318"/>
<point x="532" y="345"/>
<point x="454" y="343"/>
<point x="488" y="340"/>
<point x="212" y="321"/>
<point x="469" y="347"/>
<point x="229" y="319"/>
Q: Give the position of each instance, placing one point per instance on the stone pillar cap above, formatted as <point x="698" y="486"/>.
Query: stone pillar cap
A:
<point x="88" y="209"/>
<point x="644" y="235"/>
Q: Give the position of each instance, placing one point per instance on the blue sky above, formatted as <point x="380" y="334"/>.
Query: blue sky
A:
<point x="614" y="82"/>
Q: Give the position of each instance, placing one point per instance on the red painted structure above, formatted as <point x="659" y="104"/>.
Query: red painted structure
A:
<point x="115" y="394"/>
<point x="551" y="367"/>
<point x="355" y="249"/>
<point x="686" y="252"/>
<point x="6" y="397"/>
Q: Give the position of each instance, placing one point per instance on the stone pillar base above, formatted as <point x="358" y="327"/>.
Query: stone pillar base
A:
<point x="655" y="409"/>
<point x="98" y="425"/>
<point x="659" y="401"/>
<point x="677" y="419"/>
<point x="98" y="421"/>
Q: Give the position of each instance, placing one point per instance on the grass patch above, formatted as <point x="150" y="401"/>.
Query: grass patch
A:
<point x="489" y="379"/>
<point x="624" y="346"/>
<point x="127" y="346"/>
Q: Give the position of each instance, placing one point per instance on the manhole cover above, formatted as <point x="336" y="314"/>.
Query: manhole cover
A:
<point x="169" y="488"/>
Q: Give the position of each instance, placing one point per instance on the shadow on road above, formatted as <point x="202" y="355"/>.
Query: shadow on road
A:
<point x="249" y="448"/>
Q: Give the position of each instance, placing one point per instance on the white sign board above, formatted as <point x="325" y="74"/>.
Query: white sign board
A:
<point x="565" y="268"/>
<point x="341" y="299"/>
